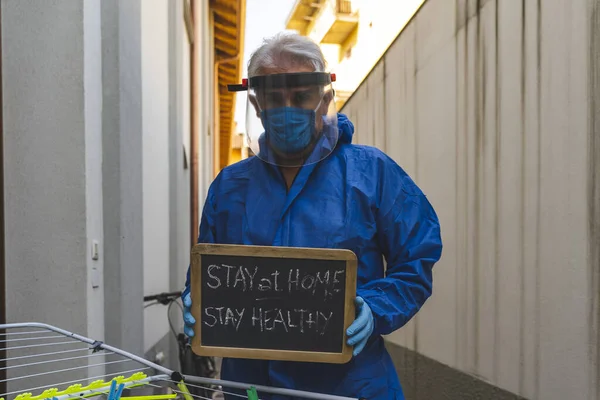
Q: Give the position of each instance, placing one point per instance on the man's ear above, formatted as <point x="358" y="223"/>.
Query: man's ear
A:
<point x="327" y="99"/>
<point x="254" y="102"/>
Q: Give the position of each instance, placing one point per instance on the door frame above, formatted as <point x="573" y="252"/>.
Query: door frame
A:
<point x="191" y="13"/>
<point x="3" y="310"/>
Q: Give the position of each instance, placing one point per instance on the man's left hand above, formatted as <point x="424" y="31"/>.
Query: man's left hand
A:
<point x="362" y="327"/>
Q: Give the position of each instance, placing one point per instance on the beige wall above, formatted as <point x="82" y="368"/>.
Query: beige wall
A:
<point x="380" y="21"/>
<point x="206" y="103"/>
<point x="491" y="111"/>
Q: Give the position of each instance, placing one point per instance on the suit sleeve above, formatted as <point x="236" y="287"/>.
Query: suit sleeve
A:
<point x="409" y="237"/>
<point x="207" y="229"/>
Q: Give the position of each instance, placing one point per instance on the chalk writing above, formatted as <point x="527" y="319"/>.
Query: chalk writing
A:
<point x="298" y="319"/>
<point x="324" y="283"/>
<point x="232" y="317"/>
<point x="269" y="319"/>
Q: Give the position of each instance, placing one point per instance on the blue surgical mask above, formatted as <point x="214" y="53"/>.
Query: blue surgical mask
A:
<point x="289" y="129"/>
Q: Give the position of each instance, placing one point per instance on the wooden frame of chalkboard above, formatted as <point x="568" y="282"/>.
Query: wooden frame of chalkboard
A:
<point x="330" y="348"/>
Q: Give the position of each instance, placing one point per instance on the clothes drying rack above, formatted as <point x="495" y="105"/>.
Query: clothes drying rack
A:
<point x="40" y="362"/>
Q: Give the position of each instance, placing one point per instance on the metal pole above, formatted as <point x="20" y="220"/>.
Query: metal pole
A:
<point x="265" y="389"/>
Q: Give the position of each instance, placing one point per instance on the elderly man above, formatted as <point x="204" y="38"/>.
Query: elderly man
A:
<point x="308" y="186"/>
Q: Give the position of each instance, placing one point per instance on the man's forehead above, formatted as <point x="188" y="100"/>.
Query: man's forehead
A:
<point x="286" y="70"/>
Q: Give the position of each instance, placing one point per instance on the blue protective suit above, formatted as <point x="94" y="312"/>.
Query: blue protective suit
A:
<point x="357" y="199"/>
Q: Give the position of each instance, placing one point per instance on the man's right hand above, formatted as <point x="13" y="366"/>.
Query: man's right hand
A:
<point x="188" y="320"/>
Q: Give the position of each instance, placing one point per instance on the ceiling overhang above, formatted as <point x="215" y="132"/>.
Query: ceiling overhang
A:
<point x="229" y="18"/>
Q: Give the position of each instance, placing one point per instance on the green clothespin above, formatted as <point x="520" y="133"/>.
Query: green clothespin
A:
<point x="252" y="395"/>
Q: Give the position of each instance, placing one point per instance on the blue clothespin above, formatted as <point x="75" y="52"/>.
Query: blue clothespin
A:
<point x="111" y="390"/>
<point x="114" y="393"/>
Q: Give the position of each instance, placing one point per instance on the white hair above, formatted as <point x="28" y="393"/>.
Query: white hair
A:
<point x="285" y="50"/>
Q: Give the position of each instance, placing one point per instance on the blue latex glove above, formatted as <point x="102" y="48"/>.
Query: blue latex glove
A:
<point x="361" y="329"/>
<point x="188" y="320"/>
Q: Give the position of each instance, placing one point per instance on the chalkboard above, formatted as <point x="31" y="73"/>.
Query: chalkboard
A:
<point x="273" y="303"/>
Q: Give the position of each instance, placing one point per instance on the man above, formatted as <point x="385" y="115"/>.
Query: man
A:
<point x="308" y="186"/>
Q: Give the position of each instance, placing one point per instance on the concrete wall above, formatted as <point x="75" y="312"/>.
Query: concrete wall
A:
<point x="167" y="135"/>
<point x="155" y="121"/>
<point x="44" y="124"/>
<point x="179" y="153"/>
<point x="177" y="181"/>
<point x="490" y="106"/>
<point x="92" y="39"/>
<point x="122" y="137"/>
<point x="53" y="153"/>
<point x="97" y="108"/>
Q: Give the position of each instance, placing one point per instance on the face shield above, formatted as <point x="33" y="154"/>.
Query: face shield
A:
<point x="291" y="118"/>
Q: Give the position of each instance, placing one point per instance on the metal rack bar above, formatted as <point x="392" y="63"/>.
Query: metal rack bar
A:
<point x="166" y="375"/>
